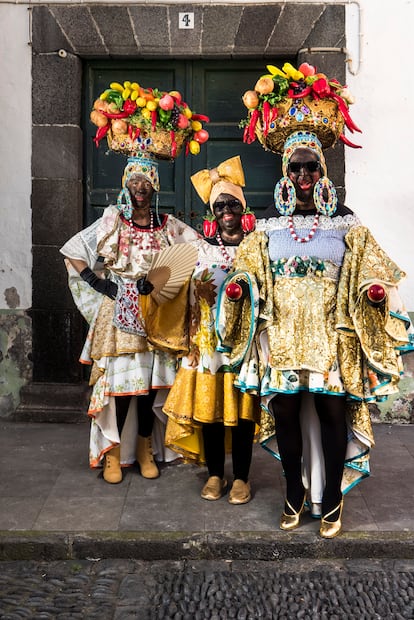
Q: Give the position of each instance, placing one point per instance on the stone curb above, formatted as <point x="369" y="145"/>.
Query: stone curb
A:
<point x="268" y="546"/>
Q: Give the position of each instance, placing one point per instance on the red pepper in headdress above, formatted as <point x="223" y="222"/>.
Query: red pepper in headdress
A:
<point x="345" y="140"/>
<point x="200" y="117"/>
<point x="154" y="119"/>
<point x="173" y="144"/>
<point x="344" y="111"/>
<point x="299" y="90"/>
<point x="114" y="115"/>
<point x="266" y="117"/>
<point x="254" y="117"/>
<point x="129" y="107"/>
<point x="100" y="133"/>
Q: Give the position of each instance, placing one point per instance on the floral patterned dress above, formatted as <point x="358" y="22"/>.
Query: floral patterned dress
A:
<point x="204" y="391"/>
<point x="123" y="362"/>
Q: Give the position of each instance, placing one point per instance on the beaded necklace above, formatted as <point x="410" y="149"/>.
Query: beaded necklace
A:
<point x="135" y="234"/>
<point x="223" y="250"/>
<point x="311" y="232"/>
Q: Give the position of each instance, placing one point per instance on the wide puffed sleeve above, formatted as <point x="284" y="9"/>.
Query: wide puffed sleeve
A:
<point x="82" y="246"/>
<point x="107" y="235"/>
<point x="179" y="232"/>
<point x="371" y="338"/>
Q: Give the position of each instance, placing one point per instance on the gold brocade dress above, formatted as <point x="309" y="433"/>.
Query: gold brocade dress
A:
<point x="203" y="391"/>
<point x="315" y="331"/>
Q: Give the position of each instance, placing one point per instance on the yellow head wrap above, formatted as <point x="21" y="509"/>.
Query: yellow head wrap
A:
<point x="227" y="178"/>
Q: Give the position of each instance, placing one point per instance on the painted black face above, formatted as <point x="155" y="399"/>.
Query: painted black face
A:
<point x="304" y="170"/>
<point x="228" y="211"/>
<point x="141" y="190"/>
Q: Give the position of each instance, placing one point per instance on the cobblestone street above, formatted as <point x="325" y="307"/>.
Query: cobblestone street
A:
<point x="123" y="589"/>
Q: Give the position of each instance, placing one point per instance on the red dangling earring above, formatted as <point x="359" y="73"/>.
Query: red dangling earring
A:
<point x="210" y="226"/>
<point x="248" y="221"/>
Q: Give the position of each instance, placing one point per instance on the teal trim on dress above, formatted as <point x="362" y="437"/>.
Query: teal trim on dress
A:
<point x="252" y="330"/>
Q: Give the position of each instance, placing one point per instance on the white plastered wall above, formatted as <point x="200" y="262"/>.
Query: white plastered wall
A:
<point x="379" y="176"/>
<point x="15" y="158"/>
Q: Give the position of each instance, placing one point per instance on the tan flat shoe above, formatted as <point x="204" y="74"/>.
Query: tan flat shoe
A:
<point x="240" y="492"/>
<point x="214" y="488"/>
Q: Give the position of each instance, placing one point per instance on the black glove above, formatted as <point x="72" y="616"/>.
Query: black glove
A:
<point x="144" y="286"/>
<point x="106" y="287"/>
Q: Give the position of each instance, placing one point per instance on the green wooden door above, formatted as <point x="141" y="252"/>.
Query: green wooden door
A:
<point x="210" y="87"/>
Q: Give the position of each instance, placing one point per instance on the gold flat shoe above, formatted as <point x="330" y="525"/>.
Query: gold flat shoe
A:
<point x="240" y="492"/>
<point x="330" y="529"/>
<point x="214" y="488"/>
<point x="291" y="522"/>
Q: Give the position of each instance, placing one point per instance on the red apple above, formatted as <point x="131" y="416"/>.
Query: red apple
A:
<point x="182" y="122"/>
<point x="376" y="293"/>
<point x="176" y="95"/>
<point x="166" y="102"/>
<point x="201" y="136"/>
<point x="234" y="291"/>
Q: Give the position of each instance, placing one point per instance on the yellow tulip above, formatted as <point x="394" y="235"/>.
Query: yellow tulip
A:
<point x="125" y="93"/>
<point x="127" y="84"/>
<point x="117" y="86"/>
<point x="134" y="95"/>
<point x="134" y="86"/>
<point x="274" y="71"/>
<point x="292" y="73"/>
<point x="194" y="147"/>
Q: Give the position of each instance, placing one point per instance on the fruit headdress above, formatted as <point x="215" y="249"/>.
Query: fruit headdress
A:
<point x="289" y="100"/>
<point x="135" y="120"/>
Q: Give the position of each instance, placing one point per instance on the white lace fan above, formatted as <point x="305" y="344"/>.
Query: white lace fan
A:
<point x="169" y="269"/>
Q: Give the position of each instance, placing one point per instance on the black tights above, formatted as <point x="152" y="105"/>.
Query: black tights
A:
<point x="242" y="447"/>
<point x="331" y="413"/>
<point x="144" y="412"/>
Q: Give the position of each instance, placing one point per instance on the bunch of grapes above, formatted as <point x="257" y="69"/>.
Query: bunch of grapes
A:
<point x="175" y="114"/>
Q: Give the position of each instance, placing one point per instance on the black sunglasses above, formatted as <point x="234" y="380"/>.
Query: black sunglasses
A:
<point x="310" y="166"/>
<point x="233" y="204"/>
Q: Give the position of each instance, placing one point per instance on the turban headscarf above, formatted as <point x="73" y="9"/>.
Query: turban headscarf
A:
<point x="304" y="140"/>
<point x="227" y="178"/>
<point x="144" y="166"/>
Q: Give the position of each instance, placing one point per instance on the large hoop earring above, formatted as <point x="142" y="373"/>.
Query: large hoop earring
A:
<point x="126" y="209"/>
<point x="285" y="196"/>
<point x="325" y="197"/>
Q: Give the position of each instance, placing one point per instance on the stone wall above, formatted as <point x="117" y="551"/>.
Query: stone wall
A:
<point x="63" y="36"/>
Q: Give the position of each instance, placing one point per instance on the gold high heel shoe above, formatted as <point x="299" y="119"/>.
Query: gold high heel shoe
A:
<point x="290" y="522"/>
<point x="330" y="529"/>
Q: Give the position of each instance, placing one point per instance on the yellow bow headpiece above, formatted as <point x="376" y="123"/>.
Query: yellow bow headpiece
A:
<point x="227" y="178"/>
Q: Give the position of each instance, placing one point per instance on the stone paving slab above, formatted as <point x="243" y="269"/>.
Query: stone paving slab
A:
<point x="52" y="503"/>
